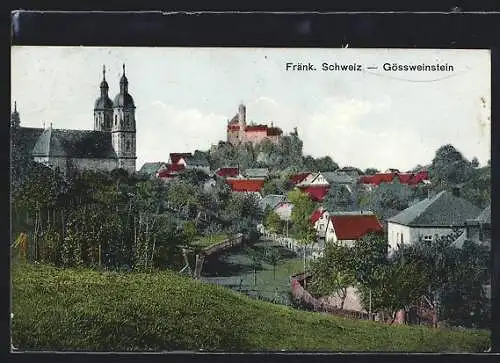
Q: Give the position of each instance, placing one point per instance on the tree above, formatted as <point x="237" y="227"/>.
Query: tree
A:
<point x="273" y="222"/>
<point x="449" y="168"/>
<point x="325" y="163"/>
<point x="333" y="273"/>
<point x="474" y="162"/>
<point x="339" y="198"/>
<point x="273" y="257"/>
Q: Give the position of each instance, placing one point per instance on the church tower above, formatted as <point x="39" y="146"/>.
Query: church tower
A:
<point x="15" y="120"/>
<point x="123" y="131"/>
<point x="242" y="121"/>
<point x="103" y="109"/>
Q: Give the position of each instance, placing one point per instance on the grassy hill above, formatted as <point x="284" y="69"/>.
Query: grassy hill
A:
<point x="62" y="309"/>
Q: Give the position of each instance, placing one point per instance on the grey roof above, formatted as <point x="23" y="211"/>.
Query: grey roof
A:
<point x="271" y="200"/>
<point x="74" y="144"/>
<point x="103" y="103"/>
<point x="257" y="172"/>
<point x="485" y="215"/>
<point x="193" y="160"/>
<point x="124" y="100"/>
<point x="24" y="140"/>
<point x="334" y="177"/>
<point x="151" y="168"/>
<point x="444" y="209"/>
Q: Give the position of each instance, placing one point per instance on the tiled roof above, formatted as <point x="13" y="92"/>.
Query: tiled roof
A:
<point x="175" y="157"/>
<point x="256" y="173"/>
<point x="316" y="215"/>
<point x="74" y="144"/>
<point x="404" y="178"/>
<point x="316" y="193"/>
<point x="334" y="177"/>
<point x="271" y="201"/>
<point x="485" y="215"/>
<point x="192" y="160"/>
<point x="171" y="170"/>
<point x="256" y="128"/>
<point x="442" y="210"/>
<point x="246" y="185"/>
<point x="377" y="178"/>
<point x="151" y="168"/>
<point x="353" y="227"/>
<point x="297" y="178"/>
<point x="228" y="172"/>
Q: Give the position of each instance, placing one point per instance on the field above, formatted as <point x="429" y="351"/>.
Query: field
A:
<point x="207" y="241"/>
<point x="81" y="309"/>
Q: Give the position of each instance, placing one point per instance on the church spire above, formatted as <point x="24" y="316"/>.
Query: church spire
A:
<point x="124" y="82"/>
<point x="15" y="120"/>
<point x="104" y="84"/>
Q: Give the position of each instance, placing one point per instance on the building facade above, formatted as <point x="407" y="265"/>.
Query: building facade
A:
<point x="110" y="145"/>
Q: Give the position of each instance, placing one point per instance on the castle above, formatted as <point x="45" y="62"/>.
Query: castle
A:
<point x="238" y="132"/>
<point x="110" y="145"/>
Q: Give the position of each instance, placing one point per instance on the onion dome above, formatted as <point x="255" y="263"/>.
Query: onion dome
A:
<point x="103" y="102"/>
<point x="124" y="99"/>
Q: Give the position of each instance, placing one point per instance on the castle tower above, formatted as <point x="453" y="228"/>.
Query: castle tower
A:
<point x="242" y="115"/>
<point x="103" y="109"/>
<point x="123" y="130"/>
<point x="15" y="120"/>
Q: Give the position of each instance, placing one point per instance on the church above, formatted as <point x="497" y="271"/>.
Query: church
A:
<point x="110" y="145"/>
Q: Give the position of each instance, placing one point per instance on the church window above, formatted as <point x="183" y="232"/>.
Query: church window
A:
<point x="127" y="145"/>
<point x="116" y="119"/>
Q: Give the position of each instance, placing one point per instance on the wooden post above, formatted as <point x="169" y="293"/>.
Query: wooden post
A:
<point x="99" y="254"/>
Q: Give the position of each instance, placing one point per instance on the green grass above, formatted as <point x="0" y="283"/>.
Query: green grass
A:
<point x="207" y="241"/>
<point x="80" y="309"/>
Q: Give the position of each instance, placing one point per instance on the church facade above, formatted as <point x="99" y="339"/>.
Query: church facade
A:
<point x="110" y="145"/>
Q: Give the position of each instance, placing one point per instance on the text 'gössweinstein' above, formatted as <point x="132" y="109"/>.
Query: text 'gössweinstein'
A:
<point x="356" y="67"/>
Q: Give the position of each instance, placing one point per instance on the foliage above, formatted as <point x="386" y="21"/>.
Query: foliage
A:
<point x="333" y="273"/>
<point x="163" y="311"/>
<point x="388" y="198"/>
<point x="371" y="171"/>
<point x="273" y="222"/>
<point x="339" y="198"/>
<point x="449" y="168"/>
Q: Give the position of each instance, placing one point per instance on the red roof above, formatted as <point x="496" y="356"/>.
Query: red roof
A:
<point x="170" y="170"/>
<point x="377" y="178"/>
<point x="316" y="215"/>
<point x="297" y="178"/>
<point x="228" y="172"/>
<point x="316" y="193"/>
<point x="175" y="157"/>
<point x="419" y="177"/>
<point x="404" y="178"/>
<point x="353" y="227"/>
<point x="246" y="185"/>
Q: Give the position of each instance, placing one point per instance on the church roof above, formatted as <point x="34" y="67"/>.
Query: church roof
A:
<point x="103" y="103"/>
<point x="124" y="100"/>
<point x="74" y="144"/>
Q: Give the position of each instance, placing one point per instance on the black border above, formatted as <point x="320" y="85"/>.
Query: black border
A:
<point x="360" y="30"/>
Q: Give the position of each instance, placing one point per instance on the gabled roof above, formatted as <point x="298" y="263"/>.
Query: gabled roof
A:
<point x="377" y="178"/>
<point x="228" y="172"/>
<point x="198" y="161"/>
<point x="316" y="214"/>
<point x="171" y="170"/>
<point x="74" y="144"/>
<point x="151" y="168"/>
<point x="485" y="215"/>
<point x="353" y="227"/>
<point x="334" y="177"/>
<point x="442" y="210"/>
<point x="245" y="185"/>
<point x="297" y="178"/>
<point x="272" y="200"/>
<point x="175" y="157"/>
<point x="316" y="193"/>
<point x="256" y="173"/>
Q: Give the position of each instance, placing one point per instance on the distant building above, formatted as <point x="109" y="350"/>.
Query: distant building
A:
<point x="410" y="179"/>
<point x="189" y="161"/>
<point x="111" y="145"/>
<point x="228" y="172"/>
<point x="439" y="215"/>
<point x="271" y="201"/>
<point x="238" y="132"/>
<point x="245" y="185"/>
<point x="477" y="230"/>
<point x="319" y="220"/>
<point x="152" y="169"/>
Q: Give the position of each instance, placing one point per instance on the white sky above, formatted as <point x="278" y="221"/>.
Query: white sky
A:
<point x="184" y="97"/>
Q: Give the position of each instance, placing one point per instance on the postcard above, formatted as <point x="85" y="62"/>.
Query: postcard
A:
<point x="250" y="199"/>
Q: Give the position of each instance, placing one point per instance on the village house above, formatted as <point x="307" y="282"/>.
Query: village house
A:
<point x="315" y="185"/>
<point x="298" y="178"/>
<point x="246" y="185"/>
<point x="171" y="171"/>
<point x="151" y="169"/>
<point x="477" y="230"/>
<point x="270" y="201"/>
<point x="435" y="216"/>
<point x="410" y="179"/>
<point x="319" y="220"/>
<point x="284" y="210"/>
<point x="346" y="228"/>
<point x="228" y="172"/>
<point x="189" y="161"/>
<point x="256" y="173"/>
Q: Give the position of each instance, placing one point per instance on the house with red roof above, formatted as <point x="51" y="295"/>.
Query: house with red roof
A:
<point x="411" y="179"/>
<point x="189" y="161"/>
<point x="319" y="220"/>
<point x="245" y="185"/>
<point x="298" y="178"/>
<point x="170" y="172"/>
<point x="228" y="172"/>
<point x="317" y="193"/>
<point x="349" y="227"/>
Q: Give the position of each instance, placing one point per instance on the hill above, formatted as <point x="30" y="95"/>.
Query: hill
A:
<point x="81" y="309"/>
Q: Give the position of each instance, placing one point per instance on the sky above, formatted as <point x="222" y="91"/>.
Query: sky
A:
<point x="185" y="96"/>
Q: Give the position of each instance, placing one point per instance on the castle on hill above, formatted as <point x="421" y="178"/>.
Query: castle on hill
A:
<point x="238" y="132"/>
<point x="110" y="145"/>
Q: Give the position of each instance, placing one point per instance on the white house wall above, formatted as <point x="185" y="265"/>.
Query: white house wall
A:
<point x="412" y="234"/>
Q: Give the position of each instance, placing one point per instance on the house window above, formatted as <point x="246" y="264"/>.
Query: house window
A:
<point x="428" y="238"/>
